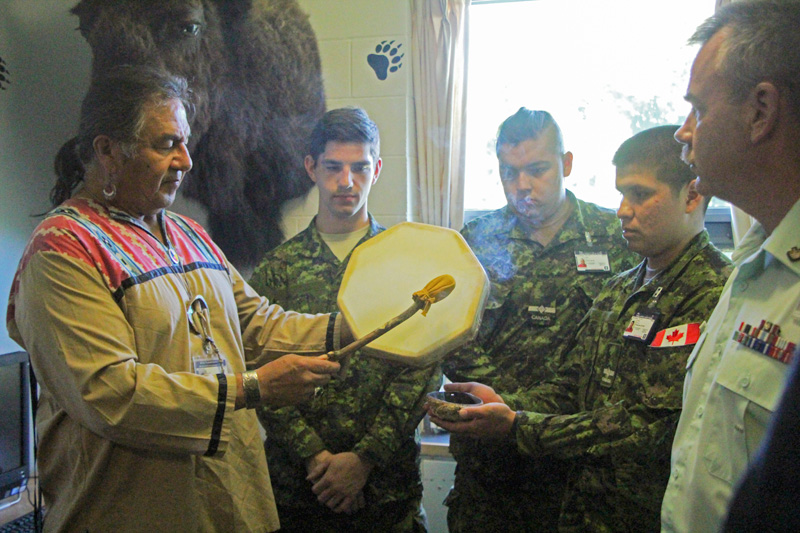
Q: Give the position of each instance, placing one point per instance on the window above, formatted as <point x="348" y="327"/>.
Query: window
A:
<point x="604" y="69"/>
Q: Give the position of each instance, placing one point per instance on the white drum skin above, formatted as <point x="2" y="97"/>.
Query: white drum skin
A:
<point x="385" y="271"/>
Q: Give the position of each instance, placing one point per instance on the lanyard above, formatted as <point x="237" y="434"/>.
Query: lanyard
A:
<point x="197" y="311"/>
<point x="200" y="324"/>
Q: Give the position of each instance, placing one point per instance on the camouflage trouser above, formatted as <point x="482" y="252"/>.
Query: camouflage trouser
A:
<point x="406" y="516"/>
<point x="471" y="508"/>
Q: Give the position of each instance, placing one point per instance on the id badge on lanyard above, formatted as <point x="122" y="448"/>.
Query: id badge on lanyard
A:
<point x="212" y="362"/>
<point x="209" y="366"/>
<point x="644" y="324"/>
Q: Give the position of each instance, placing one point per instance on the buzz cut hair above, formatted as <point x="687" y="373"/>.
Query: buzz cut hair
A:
<point x="656" y="150"/>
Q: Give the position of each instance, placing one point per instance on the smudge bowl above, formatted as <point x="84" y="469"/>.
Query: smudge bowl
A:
<point x="446" y="405"/>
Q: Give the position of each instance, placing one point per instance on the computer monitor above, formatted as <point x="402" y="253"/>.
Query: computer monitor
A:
<point x="15" y="431"/>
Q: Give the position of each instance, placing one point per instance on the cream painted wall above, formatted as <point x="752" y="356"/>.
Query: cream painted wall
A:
<point x="49" y="64"/>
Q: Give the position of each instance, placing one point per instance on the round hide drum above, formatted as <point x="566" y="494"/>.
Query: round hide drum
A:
<point x="384" y="273"/>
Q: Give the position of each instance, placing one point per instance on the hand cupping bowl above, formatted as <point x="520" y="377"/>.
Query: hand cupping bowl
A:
<point x="446" y="405"/>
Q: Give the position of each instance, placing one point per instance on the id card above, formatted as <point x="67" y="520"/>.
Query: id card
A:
<point x="592" y="260"/>
<point x="642" y="326"/>
<point x="209" y="366"/>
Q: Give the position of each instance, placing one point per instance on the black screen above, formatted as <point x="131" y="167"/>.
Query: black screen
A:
<point x="15" y="439"/>
<point x="11" y="438"/>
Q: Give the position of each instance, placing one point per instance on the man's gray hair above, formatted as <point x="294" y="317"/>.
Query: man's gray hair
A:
<point x="762" y="44"/>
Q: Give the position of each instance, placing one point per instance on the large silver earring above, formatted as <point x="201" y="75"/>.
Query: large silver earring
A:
<point x="109" y="191"/>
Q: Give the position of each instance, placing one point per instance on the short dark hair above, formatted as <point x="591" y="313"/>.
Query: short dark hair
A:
<point x="528" y="124"/>
<point x="656" y="150"/>
<point x="115" y="105"/>
<point x="763" y="44"/>
<point x="345" y="125"/>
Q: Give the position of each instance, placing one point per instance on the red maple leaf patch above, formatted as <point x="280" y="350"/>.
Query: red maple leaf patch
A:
<point x="675" y="336"/>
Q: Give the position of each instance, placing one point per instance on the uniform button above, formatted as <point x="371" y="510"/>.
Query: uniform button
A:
<point x="744" y="382"/>
<point x="699" y="412"/>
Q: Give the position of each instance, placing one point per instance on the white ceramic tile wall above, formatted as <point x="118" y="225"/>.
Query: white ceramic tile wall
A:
<point x="347" y="33"/>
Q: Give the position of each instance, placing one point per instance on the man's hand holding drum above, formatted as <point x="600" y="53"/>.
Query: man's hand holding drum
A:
<point x="288" y="380"/>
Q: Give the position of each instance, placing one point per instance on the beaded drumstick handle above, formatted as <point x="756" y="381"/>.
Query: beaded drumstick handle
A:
<point x="435" y="291"/>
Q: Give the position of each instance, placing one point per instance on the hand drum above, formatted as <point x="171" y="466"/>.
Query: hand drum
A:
<point x="384" y="273"/>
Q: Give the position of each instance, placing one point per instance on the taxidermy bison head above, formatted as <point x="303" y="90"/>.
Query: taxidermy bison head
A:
<point x="254" y="70"/>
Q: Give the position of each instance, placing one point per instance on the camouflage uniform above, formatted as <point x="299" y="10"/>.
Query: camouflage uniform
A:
<point x="518" y="345"/>
<point x="373" y="411"/>
<point x="628" y="395"/>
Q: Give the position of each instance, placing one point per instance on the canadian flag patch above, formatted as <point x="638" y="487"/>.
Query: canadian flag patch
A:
<point x="685" y="335"/>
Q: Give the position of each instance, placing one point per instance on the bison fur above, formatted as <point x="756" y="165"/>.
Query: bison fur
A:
<point x="254" y="71"/>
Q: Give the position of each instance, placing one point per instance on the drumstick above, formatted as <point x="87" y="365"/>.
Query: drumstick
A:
<point x="436" y="290"/>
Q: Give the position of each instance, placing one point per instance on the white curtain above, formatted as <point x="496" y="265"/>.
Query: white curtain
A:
<point x="439" y="62"/>
<point x="740" y="221"/>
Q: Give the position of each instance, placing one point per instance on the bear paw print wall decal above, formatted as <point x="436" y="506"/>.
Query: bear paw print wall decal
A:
<point x="385" y="59"/>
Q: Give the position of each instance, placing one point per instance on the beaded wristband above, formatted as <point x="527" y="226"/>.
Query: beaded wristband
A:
<point x="252" y="390"/>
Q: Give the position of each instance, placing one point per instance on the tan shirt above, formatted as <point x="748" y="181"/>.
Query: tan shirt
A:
<point x="123" y="421"/>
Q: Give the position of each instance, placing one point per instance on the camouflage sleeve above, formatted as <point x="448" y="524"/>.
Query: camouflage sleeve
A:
<point x="600" y="432"/>
<point x="625" y="426"/>
<point x="401" y="412"/>
<point x="569" y="436"/>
